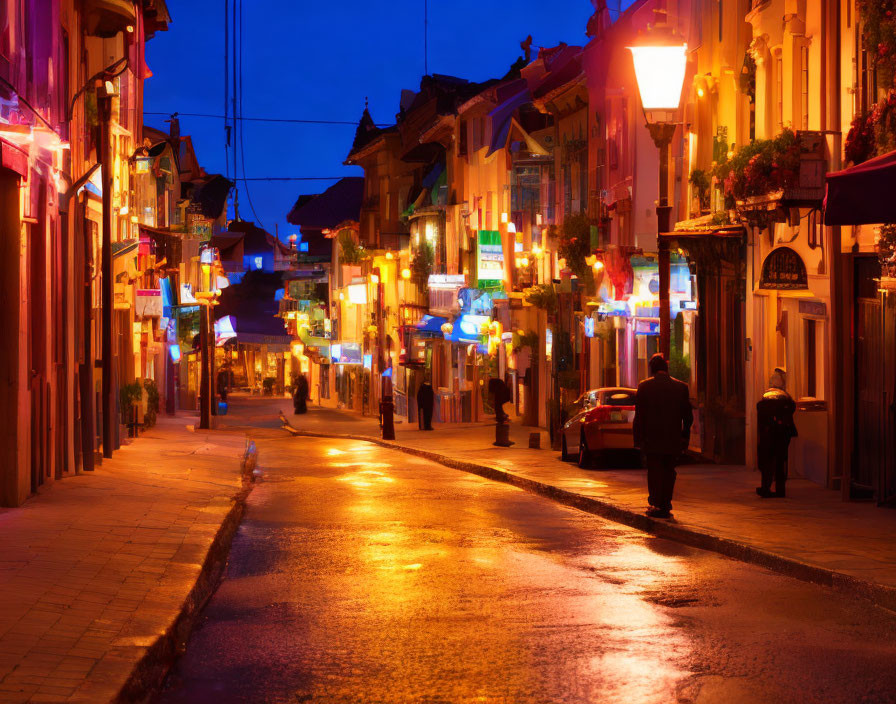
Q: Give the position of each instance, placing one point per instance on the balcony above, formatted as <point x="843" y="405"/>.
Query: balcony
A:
<point x="106" y="18"/>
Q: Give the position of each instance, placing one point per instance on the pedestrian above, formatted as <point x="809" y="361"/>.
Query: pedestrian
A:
<point x="221" y="383"/>
<point x="426" y="399"/>
<point x="300" y="394"/>
<point x="661" y="428"/>
<point x="774" y="418"/>
<point x="500" y="395"/>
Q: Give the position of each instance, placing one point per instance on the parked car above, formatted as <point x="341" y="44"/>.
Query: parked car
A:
<point x="602" y="420"/>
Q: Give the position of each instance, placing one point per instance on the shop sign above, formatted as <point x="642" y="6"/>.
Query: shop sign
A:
<point x="589" y="327"/>
<point x="443" y="292"/>
<point x="346" y="353"/>
<point x="357" y="294"/>
<point x="783" y="270"/>
<point x="490" y="259"/>
<point x="814" y="308"/>
<point x="149" y="303"/>
<point x="647" y="327"/>
<point x="199" y="226"/>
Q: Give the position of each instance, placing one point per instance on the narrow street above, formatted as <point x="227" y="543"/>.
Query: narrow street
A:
<point x="360" y="574"/>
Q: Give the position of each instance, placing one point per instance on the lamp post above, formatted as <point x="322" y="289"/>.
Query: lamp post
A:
<point x="209" y="263"/>
<point x="659" y="59"/>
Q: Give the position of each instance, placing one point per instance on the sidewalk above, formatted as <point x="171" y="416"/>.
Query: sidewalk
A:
<point x="811" y="535"/>
<point x="100" y="574"/>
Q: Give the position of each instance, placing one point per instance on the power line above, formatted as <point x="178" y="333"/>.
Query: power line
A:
<point x="262" y="119"/>
<point x="238" y="115"/>
<point x="287" y="178"/>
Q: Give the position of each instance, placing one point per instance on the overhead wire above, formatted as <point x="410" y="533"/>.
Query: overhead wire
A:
<point x="265" y="119"/>
<point x="239" y="114"/>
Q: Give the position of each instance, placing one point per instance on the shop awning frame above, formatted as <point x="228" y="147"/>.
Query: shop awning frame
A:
<point x="862" y="194"/>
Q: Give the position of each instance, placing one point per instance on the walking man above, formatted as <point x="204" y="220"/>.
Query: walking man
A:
<point x="425" y="402"/>
<point x="661" y="428"/>
<point x="774" y="416"/>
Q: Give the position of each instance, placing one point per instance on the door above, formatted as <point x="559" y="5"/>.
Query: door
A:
<point x="869" y="401"/>
<point x="886" y="487"/>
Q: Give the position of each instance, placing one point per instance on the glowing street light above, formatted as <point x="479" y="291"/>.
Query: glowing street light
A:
<point x="660" y="60"/>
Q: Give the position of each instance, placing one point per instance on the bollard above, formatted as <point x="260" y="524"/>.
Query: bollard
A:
<point x="387" y="408"/>
<point x="502" y="435"/>
<point x="534" y="441"/>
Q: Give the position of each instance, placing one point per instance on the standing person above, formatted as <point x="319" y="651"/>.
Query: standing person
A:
<point x="300" y="395"/>
<point x="774" y="418"/>
<point x="661" y="428"/>
<point x="426" y="399"/>
<point x="500" y="395"/>
<point x="222" y="383"/>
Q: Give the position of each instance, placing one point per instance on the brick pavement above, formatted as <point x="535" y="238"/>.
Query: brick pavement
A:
<point x="811" y="534"/>
<point x="96" y="570"/>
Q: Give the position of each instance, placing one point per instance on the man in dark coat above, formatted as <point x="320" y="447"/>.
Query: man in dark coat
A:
<point x="426" y="399"/>
<point x="500" y="395"/>
<point x="300" y="395"/>
<point x="774" y="418"/>
<point x="661" y="428"/>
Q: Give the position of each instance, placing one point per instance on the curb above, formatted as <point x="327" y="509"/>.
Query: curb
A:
<point x="879" y="594"/>
<point x="150" y="671"/>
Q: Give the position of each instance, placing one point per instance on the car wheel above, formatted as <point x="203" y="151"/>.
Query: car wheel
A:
<point x="564" y="452"/>
<point x="585" y="458"/>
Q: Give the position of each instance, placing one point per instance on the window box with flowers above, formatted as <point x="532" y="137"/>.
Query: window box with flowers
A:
<point x="766" y="177"/>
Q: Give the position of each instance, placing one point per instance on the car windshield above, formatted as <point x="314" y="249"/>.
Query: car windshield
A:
<point x="618" y="397"/>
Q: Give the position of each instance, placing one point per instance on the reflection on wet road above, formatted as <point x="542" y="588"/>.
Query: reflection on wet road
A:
<point x="365" y="575"/>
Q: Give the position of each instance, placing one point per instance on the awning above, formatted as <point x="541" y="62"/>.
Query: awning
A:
<point x="502" y="117"/>
<point x="431" y="324"/>
<point x="863" y="194"/>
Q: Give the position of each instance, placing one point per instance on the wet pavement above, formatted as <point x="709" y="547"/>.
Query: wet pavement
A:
<point x="361" y="574"/>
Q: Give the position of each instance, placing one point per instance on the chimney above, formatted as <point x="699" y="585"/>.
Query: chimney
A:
<point x="174" y="129"/>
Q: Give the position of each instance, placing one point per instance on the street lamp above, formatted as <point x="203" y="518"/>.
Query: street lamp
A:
<point x="660" y="59"/>
<point x="209" y="264"/>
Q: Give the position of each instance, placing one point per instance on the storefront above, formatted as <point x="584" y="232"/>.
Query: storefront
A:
<point x="708" y="334"/>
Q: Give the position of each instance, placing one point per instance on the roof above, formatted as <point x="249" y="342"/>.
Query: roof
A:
<point x="211" y="193"/>
<point x="341" y="201"/>
<point x="365" y="132"/>
<point x="255" y="240"/>
<point x="252" y="302"/>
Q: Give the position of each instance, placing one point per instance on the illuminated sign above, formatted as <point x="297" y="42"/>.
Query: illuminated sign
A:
<point x="357" y="294"/>
<point x="224" y="330"/>
<point x="490" y="259"/>
<point x="589" y="327"/>
<point x="783" y="270"/>
<point x="346" y="353"/>
<point x="149" y="303"/>
<point x="186" y="295"/>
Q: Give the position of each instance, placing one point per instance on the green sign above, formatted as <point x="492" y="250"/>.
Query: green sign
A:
<point x="489" y="259"/>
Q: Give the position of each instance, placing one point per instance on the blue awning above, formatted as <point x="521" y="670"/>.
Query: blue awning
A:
<point x="431" y="324"/>
<point x="501" y="118"/>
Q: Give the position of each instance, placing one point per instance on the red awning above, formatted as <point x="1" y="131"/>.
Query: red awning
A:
<point x="863" y="194"/>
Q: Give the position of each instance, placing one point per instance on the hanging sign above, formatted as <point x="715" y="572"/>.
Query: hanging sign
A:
<point x="783" y="270"/>
<point x="490" y="259"/>
<point x="149" y="303"/>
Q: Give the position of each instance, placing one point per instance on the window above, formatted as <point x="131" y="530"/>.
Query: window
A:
<point x="866" y="75"/>
<point x="804" y="87"/>
<point x="779" y="89"/>
<point x="811" y="361"/>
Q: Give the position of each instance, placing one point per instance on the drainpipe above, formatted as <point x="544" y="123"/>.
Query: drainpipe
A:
<point x="104" y="101"/>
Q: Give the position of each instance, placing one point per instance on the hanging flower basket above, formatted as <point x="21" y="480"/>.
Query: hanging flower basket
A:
<point x="886" y="254"/>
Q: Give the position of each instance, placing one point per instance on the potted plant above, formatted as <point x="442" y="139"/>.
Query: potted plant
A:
<point x="129" y="397"/>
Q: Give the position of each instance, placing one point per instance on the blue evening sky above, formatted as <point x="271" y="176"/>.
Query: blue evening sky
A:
<point x="318" y="59"/>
